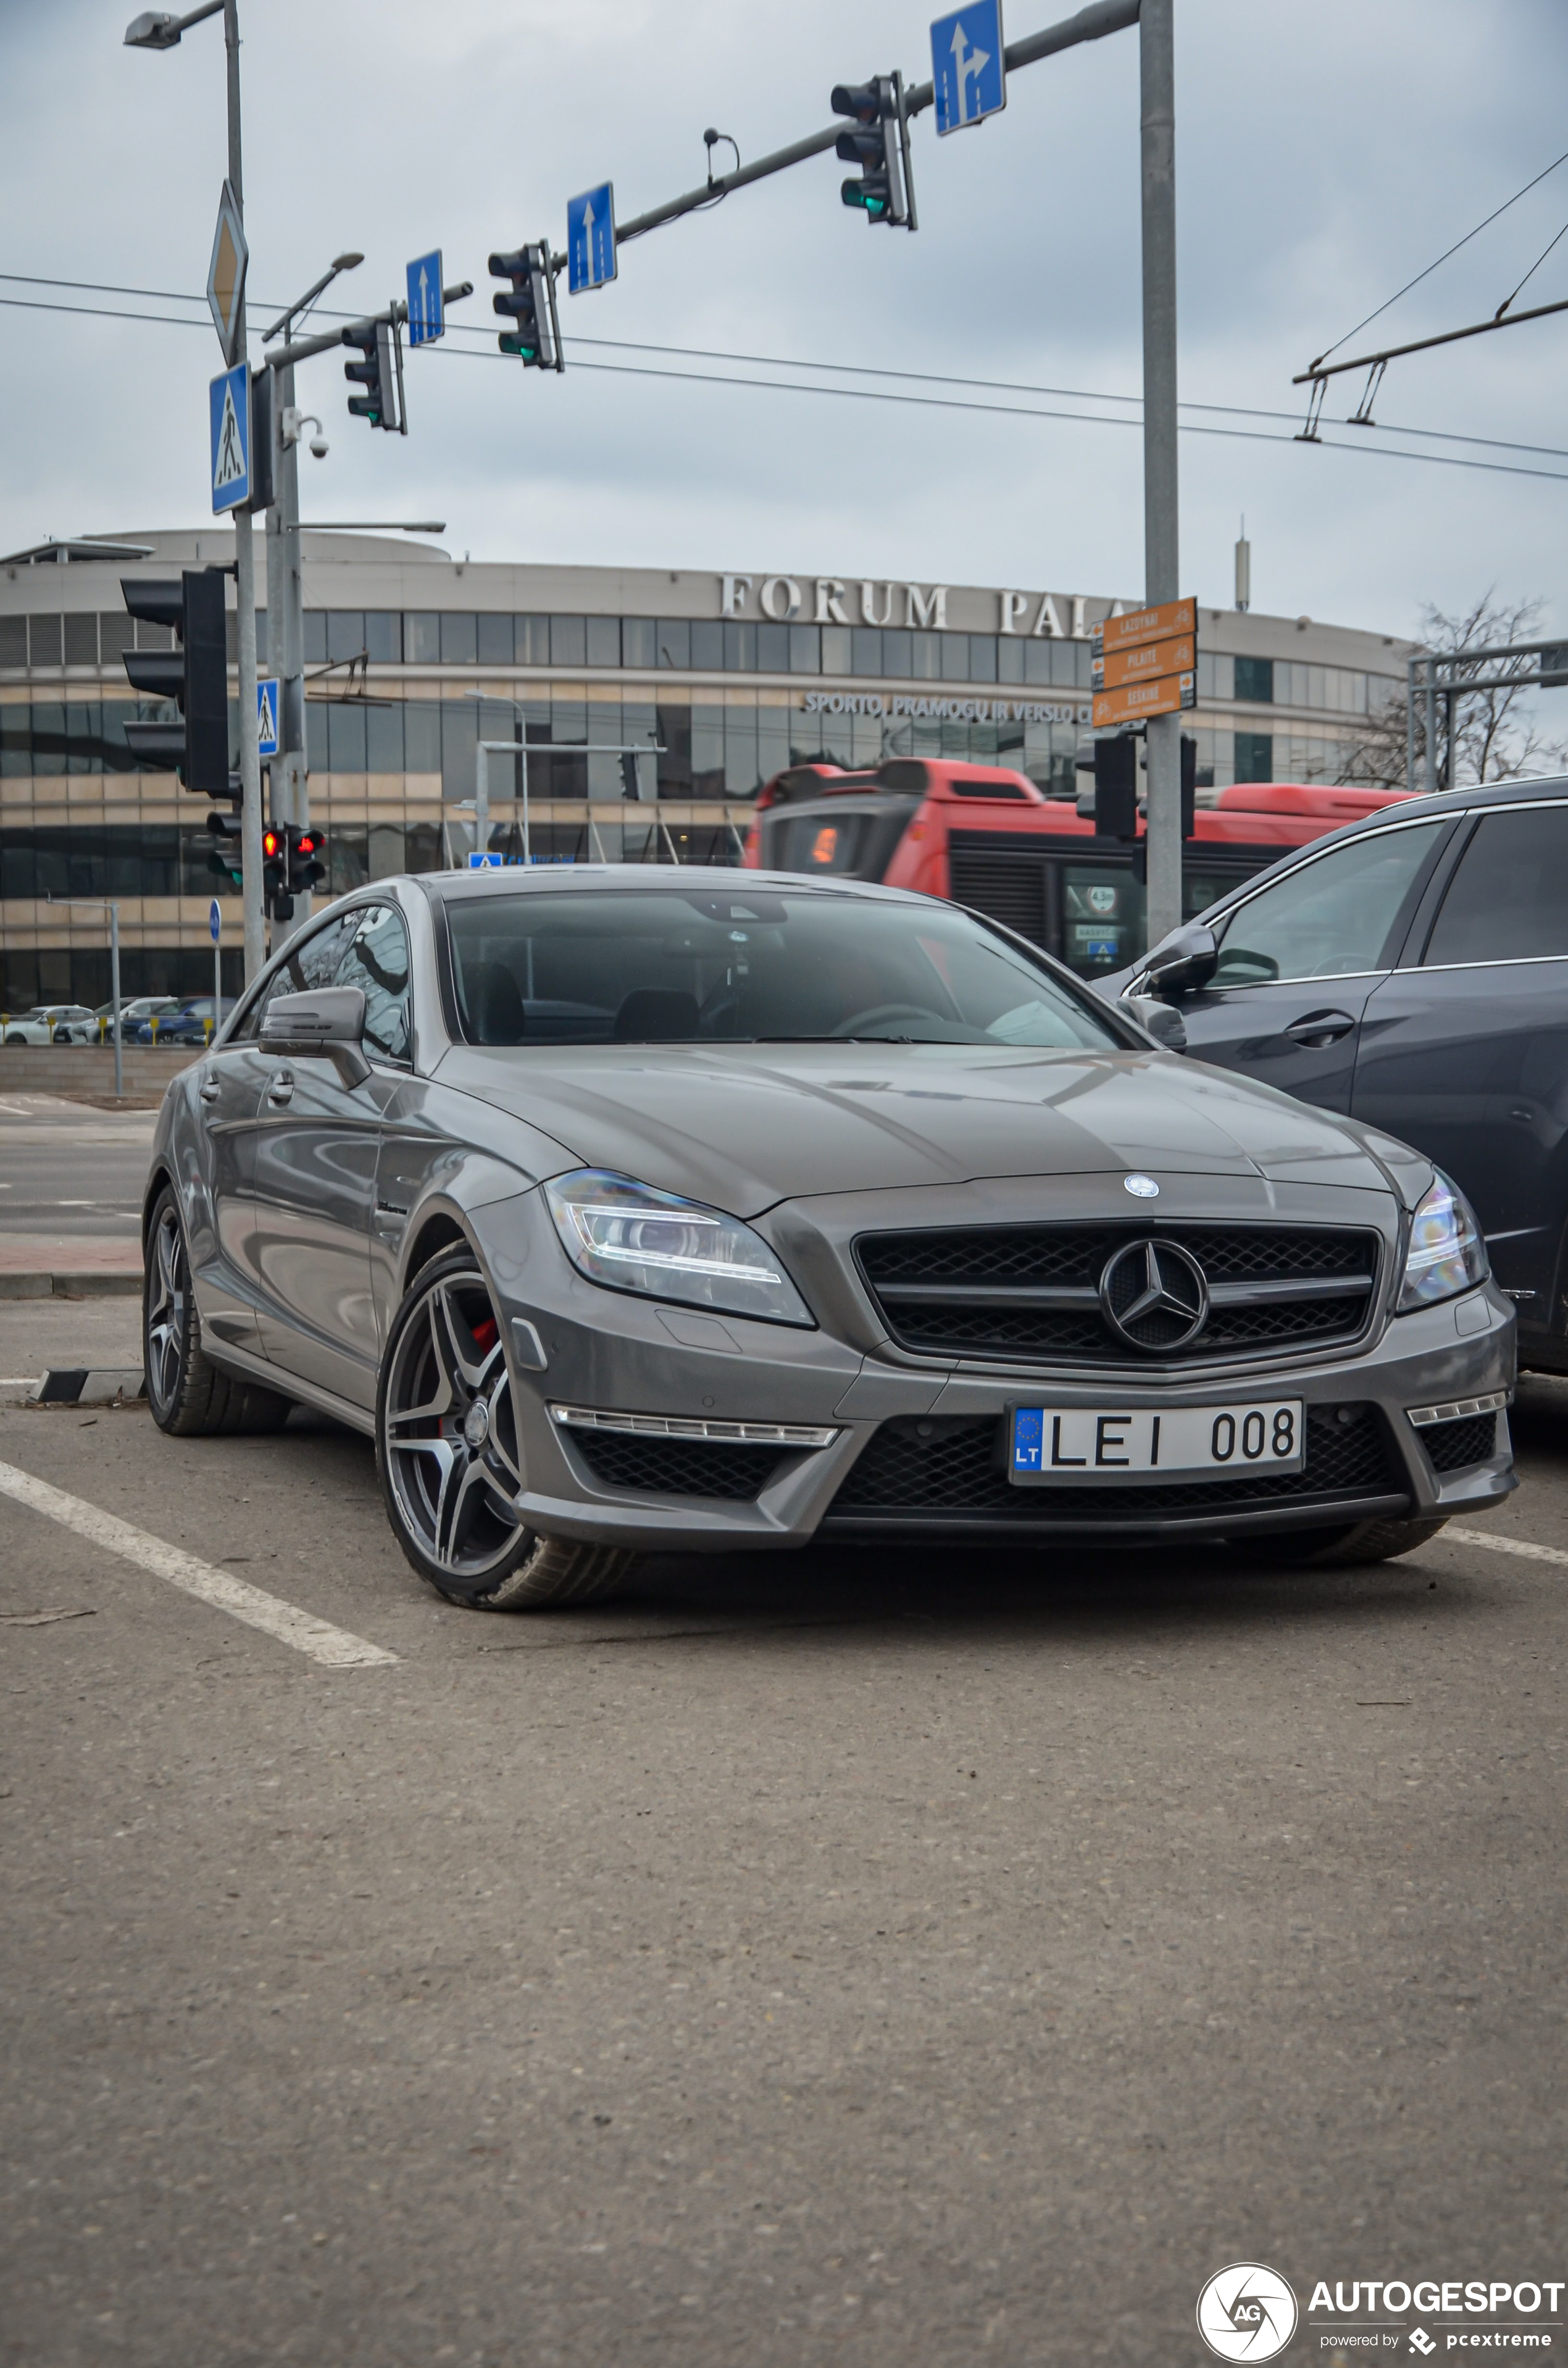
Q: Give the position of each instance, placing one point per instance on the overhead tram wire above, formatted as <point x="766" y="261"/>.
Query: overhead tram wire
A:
<point x="868" y="394"/>
<point x="771" y="361"/>
<point x="1442" y="258"/>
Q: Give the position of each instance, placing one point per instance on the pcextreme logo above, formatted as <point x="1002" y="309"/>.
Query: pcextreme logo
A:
<point x="1246" y="2312"/>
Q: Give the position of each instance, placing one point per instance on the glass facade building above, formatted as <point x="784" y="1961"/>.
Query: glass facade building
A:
<point x="722" y="681"/>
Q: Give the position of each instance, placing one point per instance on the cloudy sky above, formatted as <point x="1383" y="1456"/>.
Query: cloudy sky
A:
<point x="1323" y="157"/>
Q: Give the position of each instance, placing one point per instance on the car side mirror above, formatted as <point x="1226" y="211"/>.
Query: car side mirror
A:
<point x="1186" y="960"/>
<point x="1163" y="1021"/>
<point x="329" y="1023"/>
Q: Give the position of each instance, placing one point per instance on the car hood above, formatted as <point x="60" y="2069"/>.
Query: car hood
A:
<point x="746" y="1126"/>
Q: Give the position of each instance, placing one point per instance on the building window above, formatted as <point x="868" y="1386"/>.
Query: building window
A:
<point x="421" y="637"/>
<point x="43" y="642"/>
<point x="707" y="647"/>
<point x="495" y="643"/>
<point x="459" y="641"/>
<point x="568" y="642"/>
<point x="1254" y="679"/>
<point x="1255" y="753"/>
<point x="603" y="641"/>
<point x="773" y="649"/>
<point x="344" y="634"/>
<point x="82" y="640"/>
<point x="739" y="647"/>
<point x="638" y="641"/>
<point x="805" y="649"/>
<point x="384" y="636"/>
<point x="674" y="635"/>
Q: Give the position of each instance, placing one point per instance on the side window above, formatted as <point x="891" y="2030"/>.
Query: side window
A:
<point x="1332" y="918"/>
<point x="1505" y="902"/>
<point x="311" y="961"/>
<point x="378" y="962"/>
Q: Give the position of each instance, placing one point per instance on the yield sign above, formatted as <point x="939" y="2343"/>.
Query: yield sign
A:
<point x="226" y="277"/>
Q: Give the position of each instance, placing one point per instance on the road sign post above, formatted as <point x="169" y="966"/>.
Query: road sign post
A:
<point x="215" y="926"/>
<point x="1144" y="668"/>
<point x="590" y="239"/>
<point x="967" y="65"/>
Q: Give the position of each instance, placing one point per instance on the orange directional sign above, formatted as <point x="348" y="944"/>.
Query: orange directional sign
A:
<point x="1145" y="625"/>
<point x="1144" y="663"/>
<point x="1135" y="701"/>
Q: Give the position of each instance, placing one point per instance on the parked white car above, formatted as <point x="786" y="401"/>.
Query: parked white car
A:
<point x="50" y="1023"/>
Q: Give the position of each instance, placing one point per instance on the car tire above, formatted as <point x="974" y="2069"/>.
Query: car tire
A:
<point x="187" y="1394"/>
<point x="1361" y="1541"/>
<point x="14" y="1039"/>
<point x="450" y="1462"/>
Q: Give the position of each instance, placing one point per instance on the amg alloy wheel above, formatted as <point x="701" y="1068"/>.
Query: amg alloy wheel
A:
<point x="447" y="1453"/>
<point x="187" y="1394"/>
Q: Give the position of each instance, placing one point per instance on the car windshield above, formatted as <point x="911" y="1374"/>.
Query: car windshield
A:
<point x="636" y="966"/>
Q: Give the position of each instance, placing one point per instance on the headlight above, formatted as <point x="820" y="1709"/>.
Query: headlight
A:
<point x="630" y="1237"/>
<point x="1447" y="1254"/>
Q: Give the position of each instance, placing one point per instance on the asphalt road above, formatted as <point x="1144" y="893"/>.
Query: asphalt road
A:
<point x="66" y="1168"/>
<point x="844" y="1958"/>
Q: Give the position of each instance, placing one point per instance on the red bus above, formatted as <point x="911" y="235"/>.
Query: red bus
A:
<point x="992" y="840"/>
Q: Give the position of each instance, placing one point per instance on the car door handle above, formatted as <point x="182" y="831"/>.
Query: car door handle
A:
<point x="281" y="1089"/>
<point x="210" y="1089"/>
<point x="1317" y="1028"/>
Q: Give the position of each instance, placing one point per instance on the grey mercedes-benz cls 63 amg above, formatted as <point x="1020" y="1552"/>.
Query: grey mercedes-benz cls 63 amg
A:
<point x="635" y="1208"/>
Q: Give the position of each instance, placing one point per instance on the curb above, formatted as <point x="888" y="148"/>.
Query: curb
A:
<point x="94" y="1284"/>
<point x="84" y="1385"/>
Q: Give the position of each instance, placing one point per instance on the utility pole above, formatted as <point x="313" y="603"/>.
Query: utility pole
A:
<point x="245" y="578"/>
<point x="1162" y="557"/>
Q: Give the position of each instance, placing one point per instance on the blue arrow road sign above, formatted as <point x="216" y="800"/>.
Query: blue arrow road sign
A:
<point x="229" y="407"/>
<point x="590" y="238"/>
<point x="214" y="920"/>
<point x="966" y="65"/>
<point x="427" y="320"/>
<point x="266" y="716"/>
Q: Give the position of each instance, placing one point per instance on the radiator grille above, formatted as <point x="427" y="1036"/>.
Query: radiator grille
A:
<point x="1033" y="1291"/>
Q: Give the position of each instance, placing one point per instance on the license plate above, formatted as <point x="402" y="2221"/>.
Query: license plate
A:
<point x="1066" y="1444"/>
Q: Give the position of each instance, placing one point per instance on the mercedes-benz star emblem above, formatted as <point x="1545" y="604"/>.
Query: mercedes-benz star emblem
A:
<point x="1155" y="1296"/>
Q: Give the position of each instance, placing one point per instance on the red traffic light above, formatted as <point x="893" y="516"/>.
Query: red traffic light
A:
<point x="271" y="844"/>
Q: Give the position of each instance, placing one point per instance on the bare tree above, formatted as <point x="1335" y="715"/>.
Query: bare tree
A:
<point x="1495" y="739"/>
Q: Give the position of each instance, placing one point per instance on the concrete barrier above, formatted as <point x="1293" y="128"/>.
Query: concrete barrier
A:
<point x="87" y="1068"/>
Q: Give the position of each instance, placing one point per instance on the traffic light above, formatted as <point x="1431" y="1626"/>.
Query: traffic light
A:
<point x="879" y="145"/>
<point x="531" y="304"/>
<point x="226" y="860"/>
<point x="195" y="676"/>
<point x="1116" y="787"/>
<point x="274" y="871"/>
<point x="379" y="372"/>
<point x="292" y="864"/>
<point x="302" y="865"/>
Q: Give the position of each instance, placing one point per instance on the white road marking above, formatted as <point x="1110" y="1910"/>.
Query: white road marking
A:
<point x="1506" y="1546"/>
<point x="333" y="1648"/>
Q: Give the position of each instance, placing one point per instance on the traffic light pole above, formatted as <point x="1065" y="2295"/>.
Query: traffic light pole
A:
<point x="245" y="582"/>
<point x="1161" y="563"/>
<point x="1161" y="516"/>
<point x="286" y="627"/>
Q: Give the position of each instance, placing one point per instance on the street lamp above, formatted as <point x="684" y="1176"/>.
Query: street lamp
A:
<point x="154" y="29"/>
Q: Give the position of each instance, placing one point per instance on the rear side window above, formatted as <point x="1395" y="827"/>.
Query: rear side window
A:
<point x="1505" y="902"/>
<point x="312" y="959"/>
<point x="1330" y="919"/>
<point x="377" y="962"/>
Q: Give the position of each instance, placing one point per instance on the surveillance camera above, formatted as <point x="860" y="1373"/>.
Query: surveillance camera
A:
<point x="319" y="446"/>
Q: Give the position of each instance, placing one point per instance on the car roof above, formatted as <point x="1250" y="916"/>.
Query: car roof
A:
<point x="564" y="879"/>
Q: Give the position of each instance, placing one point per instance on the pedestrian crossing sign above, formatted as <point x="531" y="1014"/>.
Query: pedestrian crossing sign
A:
<point x="228" y="410"/>
<point x="266" y="715"/>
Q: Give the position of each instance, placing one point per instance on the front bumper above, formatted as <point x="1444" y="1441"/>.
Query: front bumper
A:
<point x="649" y="1487"/>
